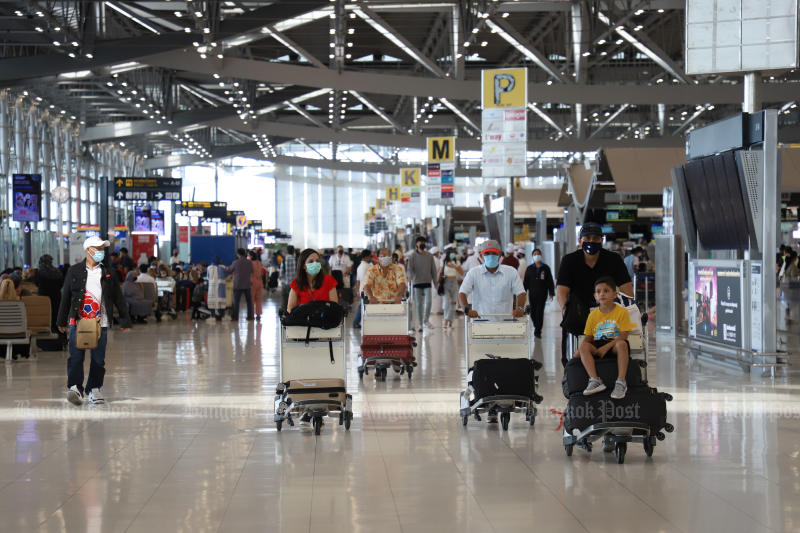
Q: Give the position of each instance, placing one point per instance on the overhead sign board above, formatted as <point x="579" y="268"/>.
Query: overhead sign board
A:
<point x="726" y="36"/>
<point x="504" y="124"/>
<point x="441" y="170"/>
<point x="147" y="189"/>
<point x="506" y="87"/>
<point x="205" y="209"/>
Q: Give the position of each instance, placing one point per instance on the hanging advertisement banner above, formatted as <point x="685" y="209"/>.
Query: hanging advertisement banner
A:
<point x="441" y="170"/>
<point x="504" y="125"/>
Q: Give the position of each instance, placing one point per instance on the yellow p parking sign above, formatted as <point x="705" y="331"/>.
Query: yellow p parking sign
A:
<point x="506" y="87"/>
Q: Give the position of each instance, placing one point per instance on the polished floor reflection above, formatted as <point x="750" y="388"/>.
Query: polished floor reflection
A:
<point x="186" y="443"/>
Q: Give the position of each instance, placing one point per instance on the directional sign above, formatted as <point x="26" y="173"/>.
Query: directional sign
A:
<point x="241" y="221"/>
<point x="204" y="209"/>
<point x="147" y="189"/>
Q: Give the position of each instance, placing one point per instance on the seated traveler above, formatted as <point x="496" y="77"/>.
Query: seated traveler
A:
<point x="606" y="332"/>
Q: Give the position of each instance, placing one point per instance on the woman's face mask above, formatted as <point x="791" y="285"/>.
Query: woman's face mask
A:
<point x="313" y="268"/>
<point x="491" y="260"/>
<point x="537" y="258"/>
<point x="452" y="256"/>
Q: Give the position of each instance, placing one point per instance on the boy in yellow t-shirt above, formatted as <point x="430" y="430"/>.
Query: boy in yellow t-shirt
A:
<point x="606" y="331"/>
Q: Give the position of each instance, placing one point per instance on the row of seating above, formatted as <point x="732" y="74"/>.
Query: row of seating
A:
<point x="25" y="322"/>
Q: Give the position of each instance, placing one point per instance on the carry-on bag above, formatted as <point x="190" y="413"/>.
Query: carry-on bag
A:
<point x="576" y="378"/>
<point x="644" y="405"/>
<point x="503" y="377"/>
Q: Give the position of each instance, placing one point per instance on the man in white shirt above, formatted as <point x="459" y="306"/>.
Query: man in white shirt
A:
<point x="361" y="272"/>
<point x="144" y="277"/>
<point x="472" y="261"/>
<point x="523" y="263"/>
<point x="495" y="289"/>
<point x="341" y="261"/>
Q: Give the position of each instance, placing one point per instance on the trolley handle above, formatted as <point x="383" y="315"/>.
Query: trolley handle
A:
<point x="508" y="317"/>
<point x="625" y="300"/>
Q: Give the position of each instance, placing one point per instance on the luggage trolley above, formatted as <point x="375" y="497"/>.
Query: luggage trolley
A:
<point x="497" y="336"/>
<point x="617" y="435"/>
<point x="385" y="341"/>
<point x="319" y="353"/>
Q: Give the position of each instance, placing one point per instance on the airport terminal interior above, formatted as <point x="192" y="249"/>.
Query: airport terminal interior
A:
<point x="400" y="265"/>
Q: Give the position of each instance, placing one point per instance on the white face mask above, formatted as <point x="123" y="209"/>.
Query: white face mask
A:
<point x="537" y="258"/>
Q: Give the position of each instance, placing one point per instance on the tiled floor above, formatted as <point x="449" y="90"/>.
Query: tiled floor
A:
<point x="186" y="443"/>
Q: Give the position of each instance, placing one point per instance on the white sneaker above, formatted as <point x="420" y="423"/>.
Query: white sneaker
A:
<point x="620" y="389"/>
<point x="428" y="324"/>
<point x="74" y="396"/>
<point x="96" y="397"/>
<point x="594" y="386"/>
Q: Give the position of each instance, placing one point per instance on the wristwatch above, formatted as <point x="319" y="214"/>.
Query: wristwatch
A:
<point x="467" y="309"/>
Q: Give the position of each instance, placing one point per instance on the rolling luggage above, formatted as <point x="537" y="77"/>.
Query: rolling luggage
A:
<point x="504" y="377"/>
<point x="388" y="341"/>
<point x="576" y="379"/>
<point x="644" y="405"/>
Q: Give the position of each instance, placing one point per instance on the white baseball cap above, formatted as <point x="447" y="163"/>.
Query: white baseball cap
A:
<point x="95" y="242"/>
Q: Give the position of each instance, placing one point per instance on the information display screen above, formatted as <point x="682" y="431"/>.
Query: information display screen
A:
<point x="27" y="190"/>
<point x="157" y="222"/>
<point x="717" y="304"/>
<point x="142" y="218"/>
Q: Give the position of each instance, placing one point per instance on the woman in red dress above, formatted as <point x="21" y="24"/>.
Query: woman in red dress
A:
<point x="310" y="283"/>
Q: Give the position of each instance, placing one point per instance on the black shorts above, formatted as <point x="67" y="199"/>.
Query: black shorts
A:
<point x="601" y="342"/>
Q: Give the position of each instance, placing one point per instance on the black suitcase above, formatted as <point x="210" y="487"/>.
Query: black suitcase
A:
<point x="51" y="345"/>
<point x="576" y="379"/>
<point x="644" y="405"/>
<point x="504" y="377"/>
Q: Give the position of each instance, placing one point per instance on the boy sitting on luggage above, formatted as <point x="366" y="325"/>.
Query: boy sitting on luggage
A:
<point x="606" y="331"/>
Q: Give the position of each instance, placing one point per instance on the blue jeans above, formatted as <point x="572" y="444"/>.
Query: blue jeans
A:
<point x="357" y="318"/>
<point x="422" y="303"/>
<point x="97" y="369"/>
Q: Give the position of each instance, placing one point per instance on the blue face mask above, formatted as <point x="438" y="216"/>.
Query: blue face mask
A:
<point x="592" y="248"/>
<point x="491" y="260"/>
<point x="313" y="268"/>
<point x="98" y="256"/>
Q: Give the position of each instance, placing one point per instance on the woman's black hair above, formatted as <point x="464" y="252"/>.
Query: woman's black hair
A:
<point x="302" y="277"/>
<point x="253" y="255"/>
<point x="536" y="250"/>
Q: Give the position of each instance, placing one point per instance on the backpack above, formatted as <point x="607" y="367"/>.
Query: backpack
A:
<point x="315" y="314"/>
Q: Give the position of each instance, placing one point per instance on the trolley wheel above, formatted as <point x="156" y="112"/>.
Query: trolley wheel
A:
<point x="409" y="370"/>
<point x="360" y="374"/>
<point x="568" y="449"/>
<point x="608" y="445"/>
<point x="279" y="424"/>
<point x="317" y="424"/>
<point x="669" y="428"/>
<point x="532" y="420"/>
<point x="620" y="450"/>
<point x="348" y="416"/>
<point x="504" y="418"/>
<point x="464" y="420"/>
<point x="668" y="396"/>
<point x="648" y="446"/>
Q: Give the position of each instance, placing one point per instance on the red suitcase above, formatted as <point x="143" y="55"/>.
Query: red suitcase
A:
<point x="377" y="349"/>
<point x="388" y="341"/>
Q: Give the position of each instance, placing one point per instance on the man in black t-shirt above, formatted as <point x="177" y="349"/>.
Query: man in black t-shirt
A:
<point x="580" y="269"/>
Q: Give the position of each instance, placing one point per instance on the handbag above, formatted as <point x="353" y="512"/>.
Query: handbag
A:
<point x="440" y="284"/>
<point x="87" y="333"/>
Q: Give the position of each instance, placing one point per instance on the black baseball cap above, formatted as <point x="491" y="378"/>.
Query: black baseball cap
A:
<point x="591" y="228"/>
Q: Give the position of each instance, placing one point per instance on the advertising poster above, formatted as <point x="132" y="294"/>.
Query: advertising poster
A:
<point x="718" y="304"/>
<point x="142" y="218"/>
<point x="157" y="222"/>
<point x="27" y="190"/>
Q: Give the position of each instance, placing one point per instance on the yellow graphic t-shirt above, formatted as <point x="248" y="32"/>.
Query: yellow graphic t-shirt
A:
<point x="608" y="326"/>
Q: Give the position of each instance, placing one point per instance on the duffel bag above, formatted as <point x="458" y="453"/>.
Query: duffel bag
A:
<point x="503" y="376"/>
<point x="576" y="378"/>
<point x="644" y="405"/>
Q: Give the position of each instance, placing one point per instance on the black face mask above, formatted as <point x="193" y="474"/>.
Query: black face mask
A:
<point x="421" y="247"/>
<point x="340" y="252"/>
